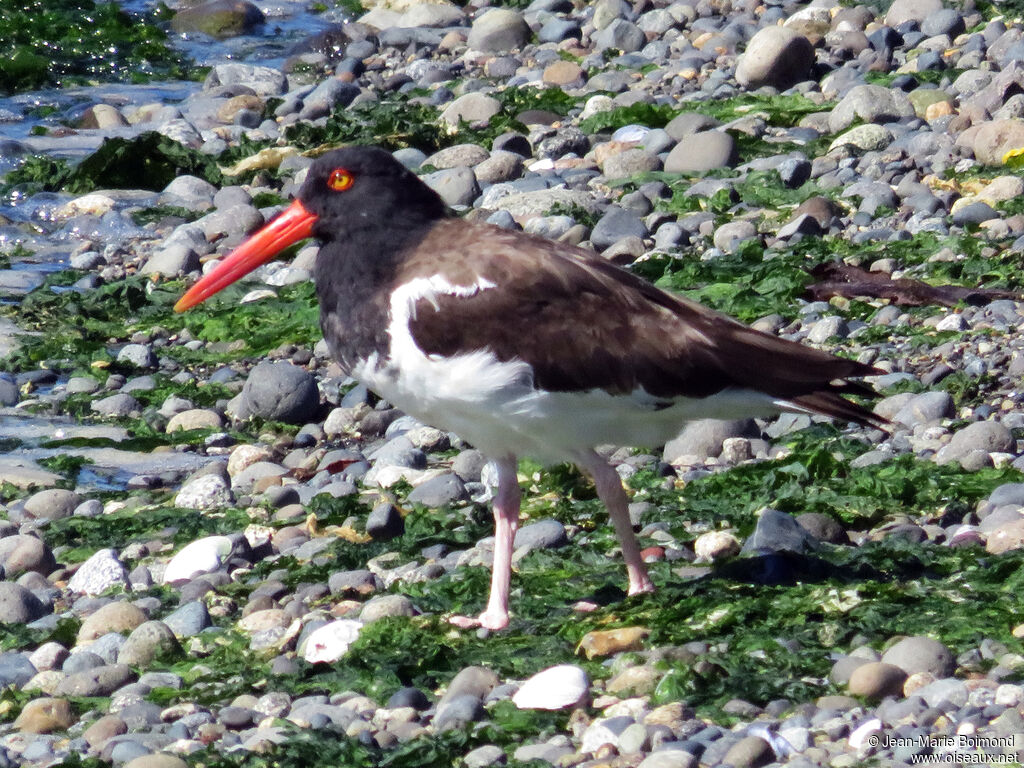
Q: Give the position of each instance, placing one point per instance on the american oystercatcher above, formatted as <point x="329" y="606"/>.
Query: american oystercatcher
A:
<point x="520" y="345"/>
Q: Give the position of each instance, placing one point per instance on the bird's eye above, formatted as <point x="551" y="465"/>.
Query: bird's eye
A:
<point x="340" y="180"/>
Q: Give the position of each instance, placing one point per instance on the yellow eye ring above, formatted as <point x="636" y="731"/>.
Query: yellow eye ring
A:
<point x="340" y="180"/>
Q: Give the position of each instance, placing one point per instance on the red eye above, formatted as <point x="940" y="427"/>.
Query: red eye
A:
<point x="340" y="180"/>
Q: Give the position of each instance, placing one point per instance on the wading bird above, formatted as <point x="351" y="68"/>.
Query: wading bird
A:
<point x="520" y="345"/>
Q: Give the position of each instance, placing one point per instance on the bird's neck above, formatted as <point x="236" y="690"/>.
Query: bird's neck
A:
<point x="355" y="274"/>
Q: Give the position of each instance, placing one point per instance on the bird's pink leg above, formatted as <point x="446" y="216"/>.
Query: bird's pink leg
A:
<point x="609" y="489"/>
<point x="506" y="522"/>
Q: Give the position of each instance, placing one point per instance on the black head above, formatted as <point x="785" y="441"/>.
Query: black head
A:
<point x="359" y="188"/>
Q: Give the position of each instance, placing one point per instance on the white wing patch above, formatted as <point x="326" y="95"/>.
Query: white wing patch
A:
<point x="405" y="296"/>
<point x="438" y="389"/>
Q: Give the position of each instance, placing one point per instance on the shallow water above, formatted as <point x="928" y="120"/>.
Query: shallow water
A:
<point x="38" y="242"/>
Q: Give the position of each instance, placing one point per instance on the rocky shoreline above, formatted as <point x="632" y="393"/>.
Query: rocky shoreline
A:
<point x="220" y="551"/>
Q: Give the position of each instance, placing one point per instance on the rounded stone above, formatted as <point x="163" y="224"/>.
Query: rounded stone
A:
<point x="97" y="574"/>
<point x="473" y="107"/>
<point x="209" y="491"/>
<point x="45" y="716"/>
<point x="921" y="654"/>
<point x="146" y="642"/>
<point x="24" y="553"/>
<point x="870" y="104"/>
<point x="280" y="391"/>
<point x="104" y="729"/>
<point x="988" y="436"/>
<point x="330" y="642"/>
<point x="120" y="405"/>
<point x="876" y="679"/>
<point x="119" y="616"/>
<point x="630" y="162"/>
<point x="385" y="606"/>
<point x="500" y="29"/>
<point x="749" y="752"/>
<point x="18" y="605"/>
<point x="702" y="151"/>
<point x="776" y="56"/>
<point x="52" y="504"/>
<point x="468" y="155"/>
<point x="201" y="556"/>
<point x="995" y="138"/>
<point x="156" y="760"/>
<point x="194" y="418"/>
<point x="548" y="533"/>
<point x="99" y="681"/>
<point x="558" y="687"/>
<point x="137" y="355"/>
<point x="715" y="545"/>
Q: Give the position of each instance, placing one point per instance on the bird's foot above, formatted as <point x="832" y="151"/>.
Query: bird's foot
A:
<point x="493" y="620"/>
<point x="640" y="586"/>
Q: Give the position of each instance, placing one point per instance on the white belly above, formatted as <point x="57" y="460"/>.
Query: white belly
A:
<point x="494" y="406"/>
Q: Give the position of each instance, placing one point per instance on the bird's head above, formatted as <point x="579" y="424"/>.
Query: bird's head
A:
<point x="345" y="191"/>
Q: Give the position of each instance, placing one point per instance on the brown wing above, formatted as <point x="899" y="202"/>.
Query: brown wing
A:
<point x="582" y="323"/>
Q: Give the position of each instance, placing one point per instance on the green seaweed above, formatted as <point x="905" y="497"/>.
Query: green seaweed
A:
<point x="147" y="161"/>
<point x="64" y="42"/>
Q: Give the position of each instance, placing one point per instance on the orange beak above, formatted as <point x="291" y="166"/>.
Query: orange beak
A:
<point x="292" y="225"/>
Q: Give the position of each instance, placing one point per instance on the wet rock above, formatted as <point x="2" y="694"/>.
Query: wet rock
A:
<point x="875" y="680"/>
<point x="198" y="557"/>
<point x="280" y="391"/>
<point x="52" y="504"/>
<point x="18" y="605"/>
<point x="147" y="642"/>
<point x="703" y="438"/>
<point x="100" y="681"/>
<point x="209" y="491"/>
<point x="23" y="553"/>
<point x="384" y="522"/>
<point x="702" y="151"/>
<point x="777" y="532"/>
<point x="558" y="687"/>
<point x="775" y="56"/>
<point x="987" y="436"/>
<point x="921" y="654"/>
<point x="219" y="19"/>
<point x="500" y="29"/>
<point x="45" y="716"/>
<point x="99" y="573"/>
<point x="118" y="616"/>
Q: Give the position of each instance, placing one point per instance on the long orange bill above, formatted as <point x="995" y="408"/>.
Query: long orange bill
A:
<point x="293" y="224"/>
